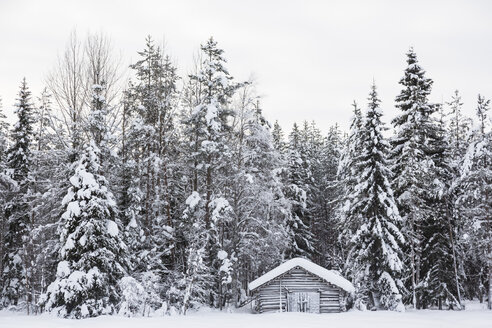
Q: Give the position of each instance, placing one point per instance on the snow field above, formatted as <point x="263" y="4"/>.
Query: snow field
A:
<point x="215" y="319"/>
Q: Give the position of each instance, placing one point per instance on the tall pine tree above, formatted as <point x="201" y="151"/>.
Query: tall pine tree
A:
<point x="440" y="254"/>
<point x="207" y="126"/>
<point x="297" y="189"/>
<point x="6" y="183"/>
<point x="18" y="209"/>
<point x="410" y="155"/>
<point x="376" y="255"/>
<point x="476" y="180"/>
<point x="347" y="174"/>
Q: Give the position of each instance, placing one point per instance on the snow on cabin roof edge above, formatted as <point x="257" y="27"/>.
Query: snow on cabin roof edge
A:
<point x="307" y="265"/>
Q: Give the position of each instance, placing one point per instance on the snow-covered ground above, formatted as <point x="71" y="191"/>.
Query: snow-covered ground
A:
<point x="474" y="317"/>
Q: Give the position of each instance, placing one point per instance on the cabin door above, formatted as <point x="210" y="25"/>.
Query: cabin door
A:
<point x="303" y="302"/>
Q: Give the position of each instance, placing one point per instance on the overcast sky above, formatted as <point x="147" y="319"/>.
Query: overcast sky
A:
<point x="311" y="58"/>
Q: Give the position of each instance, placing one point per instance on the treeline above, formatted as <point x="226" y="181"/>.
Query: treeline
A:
<point x="173" y="192"/>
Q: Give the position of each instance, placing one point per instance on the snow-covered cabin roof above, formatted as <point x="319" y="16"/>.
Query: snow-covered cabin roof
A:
<point x="328" y="275"/>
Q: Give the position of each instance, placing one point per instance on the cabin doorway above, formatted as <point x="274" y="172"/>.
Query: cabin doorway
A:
<point x="303" y="302"/>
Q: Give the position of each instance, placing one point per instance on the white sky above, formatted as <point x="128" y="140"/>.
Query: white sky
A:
<point x="311" y="58"/>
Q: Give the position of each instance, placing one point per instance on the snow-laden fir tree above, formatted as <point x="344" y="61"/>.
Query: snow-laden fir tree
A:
<point x="347" y="174"/>
<point x="375" y="255"/>
<point x="297" y="189"/>
<point x="458" y="130"/>
<point x="148" y="172"/>
<point x="278" y="138"/>
<point x="352" y="148"/>
<point x="207" y="129"/>
<point x="326" y="213"/>
<point x="476" y="197"/>
<point x="18" y="208"/>
<point x="4" y="132"/>
<point x="313" y="143"/>
<point x="98" y="127"/>
<point x="45" y="131"/>
<point x="48" y="166"/>
<point x="129" y="194"/>
<point x="97" y="116"/>
<point x="5" y="181"/>
<point x="40" y="243"/>
<point x="320" y="156"/>
<point x="483" y="106"/>
<point x="410" y="155"/>
<point x="92" y="256"/>
<point x="197" y="280"/>
<point x="257" y="233"/>
<point x="441" y="256"/>
<point x="458" y="126"/>
<point x="144" y="101"/>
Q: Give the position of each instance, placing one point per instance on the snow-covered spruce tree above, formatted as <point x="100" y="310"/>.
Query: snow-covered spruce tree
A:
<point x="4" y="132"/>
<point x="278" y="138"/>
<point x="96" y="119"/>
<point x="458" y="126"/>
<point x="347" y="174"/>
<point x="476" y="179"/>
<point x="93" y="255"/>
<point x="326" y="206"/>
<point x="18" y="209"/>
<point x="98" y="130"/>
<point x="297" y="189"/>
<point x="256" y="237"/>
<point x="441" y="256"/>
<point x="320" y="158"/>
<point x="5" y="184"/>
<point x="42" y="240"/>
<point x="148" y="172"/>
<point x="129" y="194"/>
<point x="410" y="155"/>
<point x="197" y="282"/>
<point x="99" y="127"/>
<point x="141" y="145"/>
<point x="375" y="256"/>
<point x="130" y="203"/>
<point x="207" y="128"/>
<point x="352" y="144"/>
<point x="459" y="132"/>
<point x="483" y="106"/>
<point x="313" y="143"/>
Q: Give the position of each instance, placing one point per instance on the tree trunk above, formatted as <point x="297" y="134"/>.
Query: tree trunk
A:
<point x="489" y="305"/>
<point x="489" y="246"/>
<point x="208" y="196"/>
<point x="454" y="260"/>
<point x="412" y="256"/>
<point x="147" y="196"/>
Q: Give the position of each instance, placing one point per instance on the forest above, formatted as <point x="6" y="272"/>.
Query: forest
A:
<point x="162" y="193"/>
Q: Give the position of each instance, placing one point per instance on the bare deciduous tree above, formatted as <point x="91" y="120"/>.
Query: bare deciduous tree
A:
<point x="68" y="85"/>
<point x="82" y="65"/>
<point x="104" y="67"/>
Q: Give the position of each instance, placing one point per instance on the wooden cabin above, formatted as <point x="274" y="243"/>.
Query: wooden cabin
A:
<point x="299" y="285"/>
